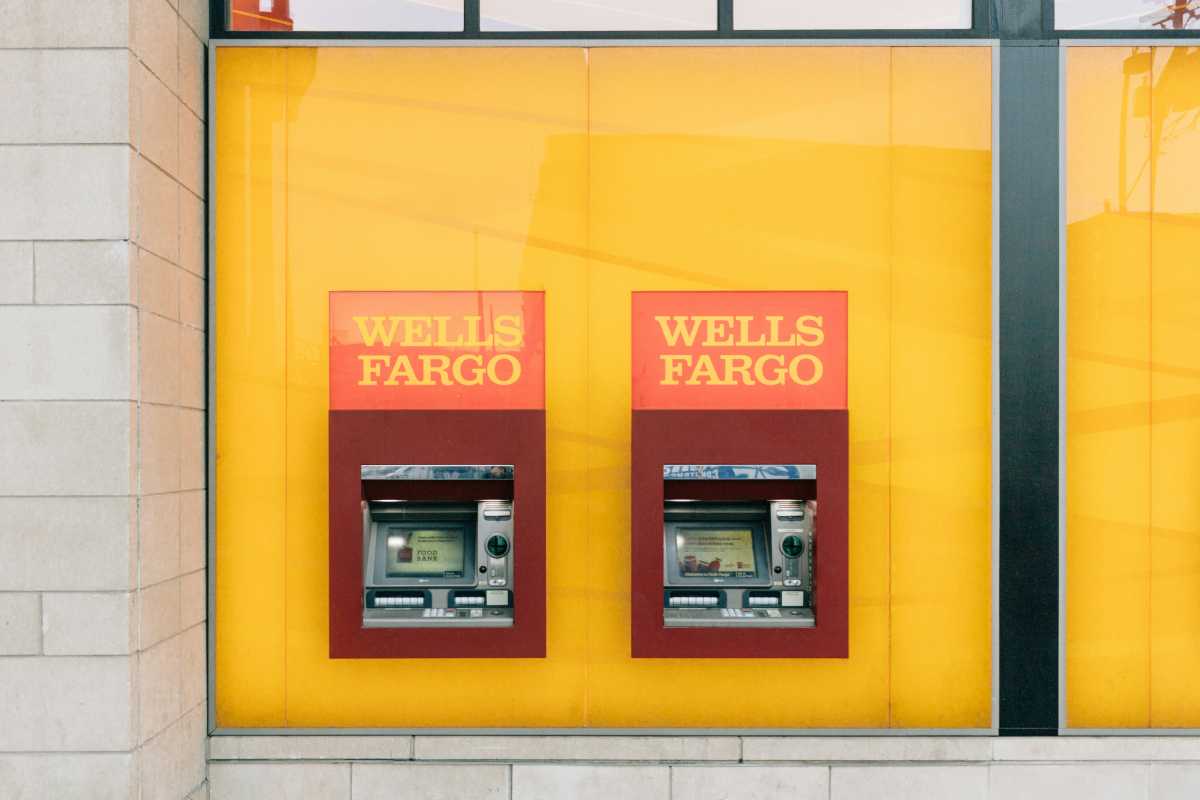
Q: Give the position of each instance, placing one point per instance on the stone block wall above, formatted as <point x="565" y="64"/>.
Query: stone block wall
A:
<point x="102" y="394"/>
<point x="703" y="768"/>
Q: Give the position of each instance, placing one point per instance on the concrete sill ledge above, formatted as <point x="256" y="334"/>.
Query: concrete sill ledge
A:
<point x="703" y="749"/>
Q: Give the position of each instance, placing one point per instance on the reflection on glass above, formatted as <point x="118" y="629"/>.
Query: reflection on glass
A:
<point x="1133" y="373"/>
<point x="838" y="15"/>
<point x="1154" y="100"/>
<point x="597" y="15"/>
<point x="1170" y="15"/>
<point x="346" y="15"/>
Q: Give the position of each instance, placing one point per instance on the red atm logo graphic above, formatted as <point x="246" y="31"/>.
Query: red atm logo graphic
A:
<point x="739" y="350"/>
<point x="436" y="350"/>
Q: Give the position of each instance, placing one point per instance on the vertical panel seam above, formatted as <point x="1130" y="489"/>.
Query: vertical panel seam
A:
<point x="286" y="134"/>
<point x="891" y="255"/>
<point x="1152" y="171"/>
<point x="587" y="360"/>
<point x="1063" y="452"/>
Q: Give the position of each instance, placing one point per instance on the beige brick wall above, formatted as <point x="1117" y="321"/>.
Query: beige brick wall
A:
<point x="102" y="599"/>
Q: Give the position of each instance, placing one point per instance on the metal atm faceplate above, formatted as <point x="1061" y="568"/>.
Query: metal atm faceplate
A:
<point x="481" y="597"/>
<point x="781" y="594"/>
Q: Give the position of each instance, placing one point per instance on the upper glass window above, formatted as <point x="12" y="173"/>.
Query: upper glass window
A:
<point x="838" y="15"/>
<point x="597" y="15"/>
<point x="346" y="15"/>
<point x="1169" y="15"/>
<point x="584" y="16"/>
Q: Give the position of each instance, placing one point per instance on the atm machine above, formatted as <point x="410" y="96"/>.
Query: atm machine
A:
<point x="437" y="563"/>
<point x="730" y="459"/>
<point x="738" y="564"/>
<point x="437" y="488"/>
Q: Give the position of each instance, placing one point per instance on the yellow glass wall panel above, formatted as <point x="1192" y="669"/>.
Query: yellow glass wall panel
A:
<point x="415" y="169"/>
<point x="749" y="178"/>
<point x="1133" y="424"/>
<point x="1175" y="389"/>
<point x="251" y="221"/>
<point x="590" y="174"/>
<point x="940" y="388"/>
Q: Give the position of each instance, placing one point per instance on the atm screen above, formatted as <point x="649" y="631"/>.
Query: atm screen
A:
<point x="425" y="552"/>
<point x="716" y="552"/>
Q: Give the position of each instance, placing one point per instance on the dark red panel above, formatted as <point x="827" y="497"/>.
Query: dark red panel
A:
<point x="741" y="437"/>
<point x="436" y="437"/>
<point x="740" y="490"/>
<point x="445" y="491"/>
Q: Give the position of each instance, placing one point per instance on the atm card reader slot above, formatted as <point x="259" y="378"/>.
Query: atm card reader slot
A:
<point x="487" y="598"/>
<point x="762" y="600"/>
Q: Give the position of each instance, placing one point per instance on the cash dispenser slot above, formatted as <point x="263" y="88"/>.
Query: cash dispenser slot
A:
<point x="694" y="599"/>
<point x="740" y="551"/>
<point x="438" y="544"/>
<point x="396" y="599"/>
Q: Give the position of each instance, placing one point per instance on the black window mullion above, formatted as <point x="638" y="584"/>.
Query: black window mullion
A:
<point x="1028" y="243"/>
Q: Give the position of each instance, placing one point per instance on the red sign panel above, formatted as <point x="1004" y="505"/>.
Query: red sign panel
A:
<point x="436" y="350"/>
<point x="739" y="350"/>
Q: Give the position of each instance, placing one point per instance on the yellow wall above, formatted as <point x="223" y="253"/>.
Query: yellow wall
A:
<point x="1133" y="387"/>
<point x="589" y="174"/>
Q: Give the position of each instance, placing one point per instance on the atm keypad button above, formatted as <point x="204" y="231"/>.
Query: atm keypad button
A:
<point x="496" y="581"/>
